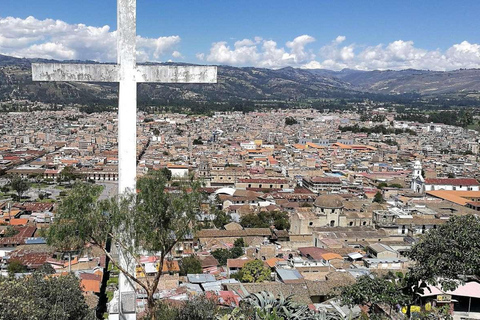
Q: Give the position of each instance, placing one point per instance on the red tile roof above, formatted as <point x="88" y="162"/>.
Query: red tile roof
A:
<point x="453" y="181"/>
<point x="325" y="180"/>
<point x="31" y="260"/>
<point x="313" y="252"/>
<point x="90" y="282"/>
<point x="278" y="181"/>
<point x="237" y="263"/>
<point x="18" y="222"/>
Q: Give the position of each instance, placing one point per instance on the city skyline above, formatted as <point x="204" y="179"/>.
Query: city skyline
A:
<point x="331" y="35"/>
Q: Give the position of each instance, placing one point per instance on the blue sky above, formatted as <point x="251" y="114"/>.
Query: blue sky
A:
<point x="322" y="33"/>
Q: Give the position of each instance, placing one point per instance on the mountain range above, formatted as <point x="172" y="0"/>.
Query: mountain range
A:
<point x="249" y="84"/>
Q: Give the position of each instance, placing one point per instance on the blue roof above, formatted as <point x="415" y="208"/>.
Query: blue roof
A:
<point x="37" y="240"/>
<point x="289" y="274"/>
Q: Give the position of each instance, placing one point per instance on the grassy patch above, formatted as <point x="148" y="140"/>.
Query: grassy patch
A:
<point x="38" y="185"/>
<point x="112" y="280"/>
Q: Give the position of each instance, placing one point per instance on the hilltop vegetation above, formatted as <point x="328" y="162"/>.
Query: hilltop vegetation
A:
<point x="243" y="89"/>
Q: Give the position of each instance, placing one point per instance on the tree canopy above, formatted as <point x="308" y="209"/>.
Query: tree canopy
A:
<point x="279" y="219"/>
<point x="371" y="290"/>
<point x="19" y="185"/>
<point x="449" y="253"/>
<point x="41" y="297"/>
<point x="68" y="174"/>
<point x="253" y="271"/>
<point x="151" y="222"/>
<point x="290" y="121"/>
<point x="190" y="265"/>
<point x="378" y="197"/>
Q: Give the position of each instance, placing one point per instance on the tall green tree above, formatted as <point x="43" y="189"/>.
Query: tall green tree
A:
<point x="68" y="174"/>
<point x="190" y="265"/>
<point x="152" y="222"/>
<point x="221" y="217"/>
<point x="222" y="255"/>
<point x="239" y="242"/>
<point x="41" y="297"/>
<point x="19" y="185"/>
<point x="449" y="253"/>
<point x="378" y="197"/>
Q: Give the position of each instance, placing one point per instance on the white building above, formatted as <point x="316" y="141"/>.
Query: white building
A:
<point x="457" y="184"/>
<point x="418" y="181"/>
<point x="178" y="171"/>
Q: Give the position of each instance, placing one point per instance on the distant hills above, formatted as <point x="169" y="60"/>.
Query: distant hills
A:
<point x="423" y="82"/>
<point x="249" y="84"/>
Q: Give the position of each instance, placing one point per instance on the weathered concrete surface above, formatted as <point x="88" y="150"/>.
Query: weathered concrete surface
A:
<point x="115" y="73"/>
<point x="75" y="72"/>
<point x="176" y="74"/>
<point x="127" y="133"/>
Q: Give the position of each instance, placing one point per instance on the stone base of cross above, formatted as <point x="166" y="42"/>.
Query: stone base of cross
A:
<point x="128" y="74"/>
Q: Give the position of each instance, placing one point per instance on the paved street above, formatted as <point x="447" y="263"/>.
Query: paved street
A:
<point x="109" y="190"/>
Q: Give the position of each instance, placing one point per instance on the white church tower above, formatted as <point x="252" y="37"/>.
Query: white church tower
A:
<point x="418" y="182"/>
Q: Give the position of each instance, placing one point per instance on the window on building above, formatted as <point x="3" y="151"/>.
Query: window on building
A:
<point x="332" y="223"/>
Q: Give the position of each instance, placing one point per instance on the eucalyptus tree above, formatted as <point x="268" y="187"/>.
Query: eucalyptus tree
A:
<point x="149" y="222"/>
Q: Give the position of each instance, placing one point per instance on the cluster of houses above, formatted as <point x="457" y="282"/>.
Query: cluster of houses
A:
<point x="356" y="202"/>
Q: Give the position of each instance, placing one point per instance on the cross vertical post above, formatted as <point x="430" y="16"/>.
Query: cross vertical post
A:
<point x="127" y="100"/>
<point x="127" y="133"/>
<point x="128" y="74"/>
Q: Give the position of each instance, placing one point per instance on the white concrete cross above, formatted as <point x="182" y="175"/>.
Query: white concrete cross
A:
<point x="128" y="74"/>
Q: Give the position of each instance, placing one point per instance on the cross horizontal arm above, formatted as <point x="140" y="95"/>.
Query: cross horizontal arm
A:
<point x="111" y="73"/>
<point x="75" y="72"/>
<point x="176" y="74"/>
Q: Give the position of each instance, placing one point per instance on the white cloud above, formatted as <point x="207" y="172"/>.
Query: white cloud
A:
<point x="340" y="39"/>
<point x="261" y="53"/>
<point x="337" y="55"/>
<point x="177" y="54"/>
<point x="56" y="39"/>
<point x="396" y="55"/>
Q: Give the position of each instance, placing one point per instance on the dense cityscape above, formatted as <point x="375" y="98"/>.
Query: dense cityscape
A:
<point x="320" y="198"/>
<point x="252" y="160"/>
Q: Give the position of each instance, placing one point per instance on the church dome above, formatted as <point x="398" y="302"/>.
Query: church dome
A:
<point x="329" y="201"/>
<point x="257" y="170"/>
